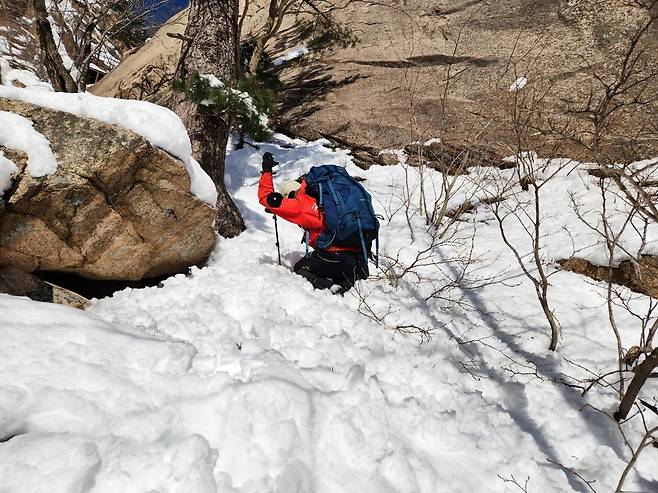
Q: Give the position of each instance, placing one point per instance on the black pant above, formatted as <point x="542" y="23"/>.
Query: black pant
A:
<point x="324" y="269"/>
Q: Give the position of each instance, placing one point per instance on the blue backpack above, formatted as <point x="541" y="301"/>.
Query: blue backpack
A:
<point x="347" y="208"/>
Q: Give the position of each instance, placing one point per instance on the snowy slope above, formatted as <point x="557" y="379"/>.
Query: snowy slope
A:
<point x="242" y="378"/>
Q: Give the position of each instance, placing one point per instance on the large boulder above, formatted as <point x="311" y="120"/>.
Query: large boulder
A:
<point x="116" y="208"/>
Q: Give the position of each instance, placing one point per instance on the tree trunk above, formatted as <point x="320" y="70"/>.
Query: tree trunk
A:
<point x="59" y="77"/>
<point x="209" y="47"/>
<point x="85" y="56"/>
<point x="642" y="373"/>
<point x="261" y="40"/>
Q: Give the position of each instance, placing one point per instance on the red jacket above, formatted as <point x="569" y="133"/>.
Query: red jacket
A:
<point x="301" y="210"/>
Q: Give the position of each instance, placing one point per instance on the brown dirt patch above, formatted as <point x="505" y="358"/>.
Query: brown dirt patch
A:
<point x="641" y="276"/>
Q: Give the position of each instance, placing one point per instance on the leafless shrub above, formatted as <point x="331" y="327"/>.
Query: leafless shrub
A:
<point x="627" y="190"/>
<point x="516" y="200"/>
<point x="91" y="32"/>
<point x="512" y="480"/>
<point x="649" y="438"/>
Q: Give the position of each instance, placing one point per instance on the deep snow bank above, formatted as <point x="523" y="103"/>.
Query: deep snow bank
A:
<point x="241" y="378"/>
<point x="66" y="377"/>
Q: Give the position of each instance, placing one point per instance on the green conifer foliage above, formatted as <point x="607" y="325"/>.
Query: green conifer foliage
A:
<point x="249" y="104"/>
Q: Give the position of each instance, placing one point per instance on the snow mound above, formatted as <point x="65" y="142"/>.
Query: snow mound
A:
<point x="160" y="126"/>
<point x="17" y="132"/>
<point x="66" y="376"/>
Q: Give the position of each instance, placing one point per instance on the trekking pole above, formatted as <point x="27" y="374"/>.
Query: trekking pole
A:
<point x="276" y="232"/>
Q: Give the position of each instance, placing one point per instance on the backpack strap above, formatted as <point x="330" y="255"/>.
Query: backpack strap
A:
<point x="377" y="249"/>
<point x="337" y="198"/>
<point x="363" y="243"/>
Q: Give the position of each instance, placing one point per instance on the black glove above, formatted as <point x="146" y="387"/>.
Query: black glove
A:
<point x="268" y="162"/>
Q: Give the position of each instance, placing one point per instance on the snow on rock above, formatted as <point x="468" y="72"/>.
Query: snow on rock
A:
<point x="291" y="55"/>
<point x="518" y="84"/>
<point x="160" y="126"/>
<point x="61" y="48"/>
<point x="28" y="79"/>
<point x="7" y="171"/>
<point x="5" y="47"/>
<point x="17" y="132"/>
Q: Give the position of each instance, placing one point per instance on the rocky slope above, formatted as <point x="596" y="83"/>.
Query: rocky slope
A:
<point x="389" y="89"/>
<point x="147" y="72"/>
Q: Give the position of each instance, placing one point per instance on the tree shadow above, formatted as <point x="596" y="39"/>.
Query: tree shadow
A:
<point x="304" y="92"/>
<point x="516" y="402"/>
<point x="252" y="219"/>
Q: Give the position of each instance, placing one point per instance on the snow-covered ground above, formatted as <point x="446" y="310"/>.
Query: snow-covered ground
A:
<point x="241" y="378"/>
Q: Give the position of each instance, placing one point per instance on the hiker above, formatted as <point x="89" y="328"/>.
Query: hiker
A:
<point x="337" y="264"/>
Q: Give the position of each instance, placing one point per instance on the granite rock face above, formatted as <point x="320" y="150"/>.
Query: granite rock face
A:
<point x="116" y="208"/>
<point x="390" y="88"/>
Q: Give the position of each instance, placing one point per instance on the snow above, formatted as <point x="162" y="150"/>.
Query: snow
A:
<point x="5" y="48"/>
<point x="573" y="192"/>
<point x="97" y="68"/>
<point x="8" y="75"/>
<point x="241" y="378"/>
<point x="17" y="132"/>
<point x="7" y="171"/>
<point x="291" y="55"/>
<point x="518" y="84"/>
<point x="158" y="125"/>
<point x="107" y="57"/>
<point x="63" y="395"/>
